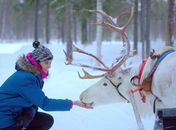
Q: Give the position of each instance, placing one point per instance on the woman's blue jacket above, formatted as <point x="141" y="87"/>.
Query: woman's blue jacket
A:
<point x="23" y="91"/>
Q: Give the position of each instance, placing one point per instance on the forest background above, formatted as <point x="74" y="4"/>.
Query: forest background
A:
<point x="69" y="21"/>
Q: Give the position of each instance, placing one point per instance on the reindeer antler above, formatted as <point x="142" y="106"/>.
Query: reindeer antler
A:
<point x="89" y="76"/>
<point x="75" y="49"/>
<point x="110" y="24"/>
<point x="121" y="30"/>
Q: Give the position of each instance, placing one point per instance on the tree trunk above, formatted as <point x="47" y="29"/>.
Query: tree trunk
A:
<point x="145" y="27"/>
<point x="36" y="20"/>
<point x="147" y="35"/>
<point x="68" y="30"/>
<point x="135" y="47"/>
<point x="142" y="25"/>
<point x="3" y="20"/>
<point x="74" y="29"/>
<point x="84" y="31"/>
<point x="99" y="30"/>
<point x="47" y="22"/>
<point x="170" y="39"/>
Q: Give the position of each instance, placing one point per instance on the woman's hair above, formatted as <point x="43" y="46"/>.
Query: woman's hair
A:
<point x="40" y="52"/>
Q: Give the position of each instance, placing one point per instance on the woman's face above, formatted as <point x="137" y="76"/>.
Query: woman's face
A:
<point x="46" y="65"/>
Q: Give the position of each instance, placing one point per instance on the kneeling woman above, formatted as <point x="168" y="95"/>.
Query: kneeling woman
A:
<point x="21" y="94"/>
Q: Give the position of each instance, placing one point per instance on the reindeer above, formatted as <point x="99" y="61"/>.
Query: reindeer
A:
<point x="117" y="83"/>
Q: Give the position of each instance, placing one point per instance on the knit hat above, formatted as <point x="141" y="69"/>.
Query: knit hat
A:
<point x="41" y="53"/>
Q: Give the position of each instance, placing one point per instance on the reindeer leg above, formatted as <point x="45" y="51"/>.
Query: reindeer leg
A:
<point x="136" y="112"/>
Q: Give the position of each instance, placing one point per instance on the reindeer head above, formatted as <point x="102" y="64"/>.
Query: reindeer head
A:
<point x="112" y="86"/>
<point x="109" y="89"/>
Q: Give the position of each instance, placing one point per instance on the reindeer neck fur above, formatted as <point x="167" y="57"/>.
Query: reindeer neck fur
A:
<point x="124" y="76"/>
<point x="163" y="84"/>
<point x="145" y="109"/>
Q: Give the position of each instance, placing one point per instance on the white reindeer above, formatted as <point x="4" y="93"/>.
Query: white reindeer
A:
<point x="115" y="85"/>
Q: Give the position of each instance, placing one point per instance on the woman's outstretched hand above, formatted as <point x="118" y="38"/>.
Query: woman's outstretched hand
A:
<point x="82" y="104"/>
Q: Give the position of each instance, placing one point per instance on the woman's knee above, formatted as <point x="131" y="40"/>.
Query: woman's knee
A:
<point x="50" y="121"/>
<point x="42" y="121"/>
<point x="47" y="120"/>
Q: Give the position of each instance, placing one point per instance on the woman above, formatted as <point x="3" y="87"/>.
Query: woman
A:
<point x="21" y="94"/>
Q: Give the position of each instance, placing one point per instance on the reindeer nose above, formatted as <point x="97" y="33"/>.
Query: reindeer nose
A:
<point x="82" y="95"/>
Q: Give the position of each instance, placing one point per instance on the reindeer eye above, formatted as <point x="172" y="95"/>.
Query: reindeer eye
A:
<point x="119" y="78"/>
<point x="105" y="84"/>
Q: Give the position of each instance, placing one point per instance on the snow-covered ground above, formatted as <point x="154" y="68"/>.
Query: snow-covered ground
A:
<point x="64" y="82"/>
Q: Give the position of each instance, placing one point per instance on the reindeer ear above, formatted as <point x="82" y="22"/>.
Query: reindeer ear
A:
<point x="126" y="70"/>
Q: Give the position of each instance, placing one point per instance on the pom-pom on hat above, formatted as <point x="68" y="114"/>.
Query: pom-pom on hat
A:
<point x="41" y="53"/>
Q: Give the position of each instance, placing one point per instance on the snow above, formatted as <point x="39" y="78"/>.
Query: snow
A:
<point x="64" y="82"/>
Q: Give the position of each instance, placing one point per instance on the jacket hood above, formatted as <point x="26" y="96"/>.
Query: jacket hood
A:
<point x="23" y="64"/>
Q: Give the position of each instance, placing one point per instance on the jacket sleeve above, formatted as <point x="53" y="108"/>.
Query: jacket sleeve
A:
<point x="33" y="93"/>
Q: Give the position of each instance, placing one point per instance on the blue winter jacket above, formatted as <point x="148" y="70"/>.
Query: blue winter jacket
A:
<point x="22" y="91"/>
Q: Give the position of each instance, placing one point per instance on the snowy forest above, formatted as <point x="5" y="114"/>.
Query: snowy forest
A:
<point x="61" y="24"/>
<point x="69" y="21"/>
